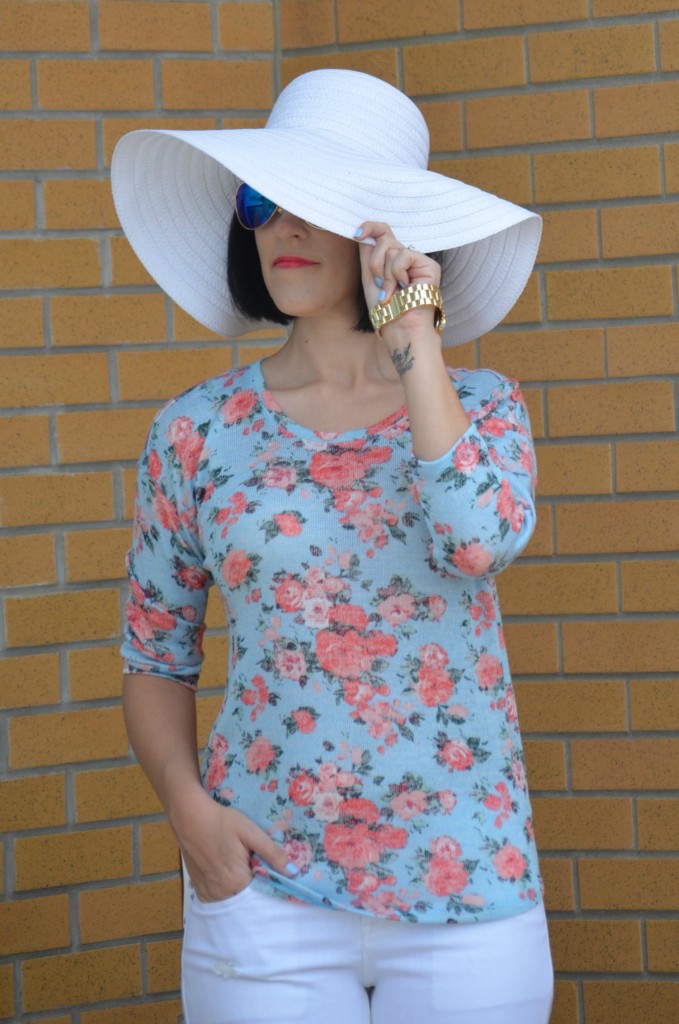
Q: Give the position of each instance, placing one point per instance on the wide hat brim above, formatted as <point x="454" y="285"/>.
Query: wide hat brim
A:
<point x="174" y="192"/>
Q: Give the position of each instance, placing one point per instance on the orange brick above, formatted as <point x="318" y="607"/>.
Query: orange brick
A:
<point x="586" y="823"/>
<point x="610" y="292"/>
<point x="647" y="646"/>
<point x="24" y="441"/>
<point x="358" y="22"/>
<point x="94" y="672"/>
<point x="671" y="154"/>
<point x="163" y="960"/>
<point x="29" y="682"/>
<point x="545" y="355"/>
<point x="601" y="946"/>
<point x="585" y="588"/>
<point x="631" y="764"/>
<point x="627" y="1002"/>
<point x="574" y="469"/>
<point x="532" y="647"/>
<point x="574" y="705"/>
<point x="214" y="616"/>
<point x="20" y="323"/>
<point x="158" y="848"/>
<point x="53" y="380"/>
<point x="166" y="1012"/>
<point x="114" y="793"/>
<point x="650" y="586"/>
<point x="642" y="884"/>
<point x="669" y="45"/>
<point x="145" y="375"/>
<point x="15" y="85"/>
<point x="641" y="109"/>
<point x="17" y="206"/>
<point x="27" y="560"/>
<point x="591" y="409"/>
<point x="565" y="1004"/>
<point x="522" y="118"/>
<point x="620" y="526"/>
<point x="104" y="436"/>
<point x="640" y="230"/>
<point x="40" y="143"/>
<point x="107" y="319"/>
<point x="56" y="498"/>
<point x="535" y="406"/>
<point x="298" y="30"/>
<point x="46" y="25"/>
<point x="62" y="618"/>
<point x="508" y="175"/>
<point x="49" y="263"/>
<point x="129" y="910"/>
<point x="203" y="84"/>
<point x="658" y="823"/>
<point x="88" y="976"/>
<point x="647" y="466"/>
<point x="605" y="8"/>
<point x="248" y="26"/>
<point x="496" y="13"/>
<point x="492" y="62"/>
<point x="546" y="764"/>
<point x="593" y="174"/>
<point x="444" y="121"/>
<point x="135" y="25"/>
<point x="127" y="269"/>
<point x="381" y="63"/>
<point x="541" y="542"/>
<point x="30" y="925"/>
<point x="37" y="801"/>
<point x="85" y="203"/>
<point x="185" y="328"/>
<point x="129" y="489"/>
<point x="6" y="990"/>
<point x="591" y="53"/>
<point x="96" y="554"/>
<point x="569" y="235"/>
<point x="95" y="85"/>
<point x="557" y="876"/>
<point x="528" y="308"/>
<point x="662" y="943"/>
<point x="73" y="857"/>
<point x="643" y="349"/>
<point x="93" y="734"/>
<point x="654" y="704"/>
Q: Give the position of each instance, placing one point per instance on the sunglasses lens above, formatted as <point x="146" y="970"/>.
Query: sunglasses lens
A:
<point x="253" y="208"/>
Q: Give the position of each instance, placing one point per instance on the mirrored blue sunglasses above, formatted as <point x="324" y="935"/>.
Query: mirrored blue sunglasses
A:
<point x="252" y="208"/>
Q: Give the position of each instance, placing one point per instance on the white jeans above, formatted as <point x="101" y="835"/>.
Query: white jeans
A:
<point x="257" y="959"/>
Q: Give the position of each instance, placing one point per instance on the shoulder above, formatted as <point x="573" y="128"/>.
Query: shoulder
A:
<point x="200" y="405"/>
<point x="480" y="389"/>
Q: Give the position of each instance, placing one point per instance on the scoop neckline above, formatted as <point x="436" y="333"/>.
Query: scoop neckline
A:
<point x="271" y="406"/>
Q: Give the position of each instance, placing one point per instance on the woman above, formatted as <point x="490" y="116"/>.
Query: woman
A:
<point x="359" y="841"/>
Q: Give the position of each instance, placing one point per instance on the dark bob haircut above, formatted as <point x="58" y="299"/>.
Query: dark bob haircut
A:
<point x="249" y="292"/>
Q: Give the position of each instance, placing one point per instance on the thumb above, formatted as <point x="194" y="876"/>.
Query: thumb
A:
<point x="271" y="852"/>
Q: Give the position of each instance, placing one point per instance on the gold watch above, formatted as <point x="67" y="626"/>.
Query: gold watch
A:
<point x="406" y="299"/>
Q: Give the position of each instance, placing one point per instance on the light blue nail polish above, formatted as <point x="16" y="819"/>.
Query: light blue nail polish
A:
<point x="359" y="232"/>
<point x="382" y="296"/>
<point x="291" y="869"/>
<point x="379" y="282"/>
<point x="401" y="284"/>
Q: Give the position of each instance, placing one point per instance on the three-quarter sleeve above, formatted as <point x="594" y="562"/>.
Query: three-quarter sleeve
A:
<point x="478" y="499"/>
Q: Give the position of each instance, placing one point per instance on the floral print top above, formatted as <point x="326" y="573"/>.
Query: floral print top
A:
<point x="369" y="722"/>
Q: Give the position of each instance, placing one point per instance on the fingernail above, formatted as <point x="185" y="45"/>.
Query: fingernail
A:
<point x="291" y="869"/>
<point x="401" y="284"/>
<point x="359" y="232"/>
<point x="379" y="282"/>
<point x="382" y="296"/>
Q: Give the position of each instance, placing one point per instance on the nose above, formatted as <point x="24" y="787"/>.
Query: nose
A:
<point x="287" y="223"/>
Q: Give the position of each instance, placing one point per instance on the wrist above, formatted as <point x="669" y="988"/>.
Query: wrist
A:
<point x="415" y="298"/>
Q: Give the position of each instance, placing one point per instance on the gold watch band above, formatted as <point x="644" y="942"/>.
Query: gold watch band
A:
<point x="406" y="299"/>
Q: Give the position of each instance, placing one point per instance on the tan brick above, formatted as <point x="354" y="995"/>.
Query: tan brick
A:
<point x="573" y="705"/>
<point x="93" y="734"/>
<point x="605" y="8"/>
<point x="585" y="588"/>
<point x="88" y="976"/>
<point x="146" y="375"/>
<point x="630" y="764"/>
<point x="546" y="765"/>
<point x="104" y="436"/>
<point x="522" y="118"/>
<point x="53" y="380"/>
<point x="596" y="946"/>
<point x="646" y="646"/>
<point x="492" y="62"/>
<point x="249" y="26"/>
<point x="62" y="618"/>
<point x="96" y="554"/>
<point x="158" y="848"/>
<point x="654" y="704"/>
<point x="640" y="884"/>
<point x="382" y="63"/>
<point x="590" y="409"/>
<point x="85" y="203"/>
<point x="46" y="25"/>
<point x="569" y="235"/>
<point x="497" y="13"/>
<point x="358" y="22"/>
<point x="30" y="925"/>
<point x="643" y="349"/>
<point x="298" y="30"/>
<point x="163" y="960"/>
<point x="565" y="1003"/>
<point x="528" y="308"/>
<point x="627" y="1002"/>
<point x="127" y="269"/>
<point x="129" y="910"/>
<point x="115" y="128"/>
<point x="135" y="25"/>
<point x="591" y="53"/>
<point x="7" y="990"/>
<point x="557" y="876"/>
<point x="73" y="857"/>
<point x="574" y="469"/>
<point x="586" y="823"/>
<point x="188" y="329"/>
<point x="202" y="84"/>
<point x="207" y="709"/>
<point x="29" y="681"/>
<point x="107" y="319"/>
<point x="17" y="206"/>
<point x="609" y="292"/>
<point x="15" y="84"/>
<point x="213" y="670"/>
<point x="650" y="586"/>
<point x="506" y="174"/>
<point x="114" y="793"/>
<point x="541" y="543"/>
<point x="21" y="323"/>
<point x="38" y="801"/>
<point x="641" y="109"/>
<point x="671" y="160"/>
<point x="587" y="175"/>
<point x="658" y="823"/>
<point x="533" y="398"/>
<point x="617" y="527"/>
<point x="94" y="672"/>
<point x="215" y="617"/>
<point x="532" y="647"/>
<point x="40" y="143"/>
<point x="95" y="85"/>
<point x="647" y="466"/>
<point x="129" y="490"/>
<point x="49" y="263"/>
<point x="639" y="230"/>
<point x="545" y="355"/>
<point x="669" y="45"/>
<point x="662" y="943"/>
<point x="444" y="121"/>
<point x="168" y="1011"/>
<point x="27" y="560"/>
<point x="56" y="498"/>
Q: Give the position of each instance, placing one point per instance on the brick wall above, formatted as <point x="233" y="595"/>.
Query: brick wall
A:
<point x="567" y="106"/>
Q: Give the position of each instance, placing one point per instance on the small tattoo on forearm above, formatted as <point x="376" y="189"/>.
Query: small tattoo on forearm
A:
<point x="402" y="360"/>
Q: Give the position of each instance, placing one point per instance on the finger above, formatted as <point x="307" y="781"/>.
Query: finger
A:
<point x="271" y="852"/>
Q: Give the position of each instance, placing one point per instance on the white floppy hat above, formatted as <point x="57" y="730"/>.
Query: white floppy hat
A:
<point x="340" y="147"/>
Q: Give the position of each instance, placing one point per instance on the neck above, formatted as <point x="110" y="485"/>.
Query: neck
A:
<point x="326" y="350"/>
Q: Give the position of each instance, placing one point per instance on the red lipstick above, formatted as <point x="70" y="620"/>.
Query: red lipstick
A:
<point x="292" y="262"/>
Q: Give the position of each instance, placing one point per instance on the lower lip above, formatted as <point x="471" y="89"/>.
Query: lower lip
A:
<point x="292" y="264"/>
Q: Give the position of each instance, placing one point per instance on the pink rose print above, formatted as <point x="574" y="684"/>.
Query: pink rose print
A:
<point x="351" y="846"/>
<point x="349" y="615"/>
<point x="299" y="853"/>
<point x="166" y="512"/>
<point x="301" y="789"/>
<point x="447" y="799"/>
<point x="259" y="755"/>
<point x="192" y="577"/>
<point x="466" y="457"/>
<point x="434" y="686"/>
<point x="472" y="560"/>
<point x="358" y="808"/>
<point x="488" y="671"/>
<point x="239" y="406"/>
<point x="289" y="594"/>
<point x="216" y="773"/>
<point x="148" y="621"/>
<point x="288" y="523"/>
<point x="304" y="720"/>
<point x="445" y="876"/>
<point x="457" y="756"/>
<point x="290" y="664"/>
<point x="235" y="568"/>
<point x="409" y="805"/>
<point x="155" y="465"/>
<point x="397" y="609"/>
<point x="509" y="863"/>
<point x="187" y="443"/>
<point x="508" y="508"/>
<point x="283" y="477"/>
<point x="342" y="654"/>
<point x="437" y="607"/>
